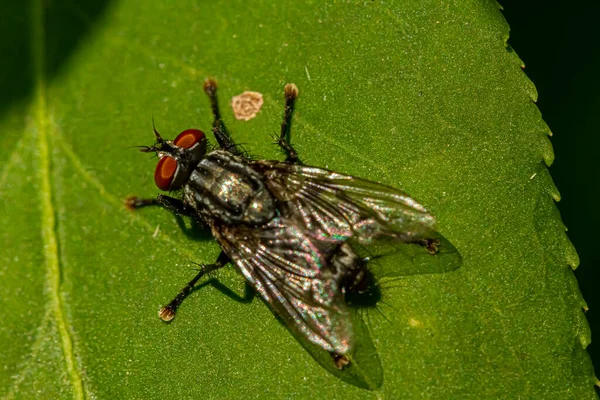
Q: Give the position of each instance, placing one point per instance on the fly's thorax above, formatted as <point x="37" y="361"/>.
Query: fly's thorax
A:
<point x="225" y="187"/>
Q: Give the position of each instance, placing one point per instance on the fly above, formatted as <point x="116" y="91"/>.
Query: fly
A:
<point x="293" y="231"/>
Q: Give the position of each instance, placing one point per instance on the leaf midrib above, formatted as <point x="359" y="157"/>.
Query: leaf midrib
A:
<point x="39" y="111"/>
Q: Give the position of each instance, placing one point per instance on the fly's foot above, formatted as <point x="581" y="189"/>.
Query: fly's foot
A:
<point x="291" y="91"/>
<point x="133" y="202"/>
<point x="340" y="361"/>
<point x="167" y="313"/>
<point x="210" y="87"/>
<point x="431" y="245"/>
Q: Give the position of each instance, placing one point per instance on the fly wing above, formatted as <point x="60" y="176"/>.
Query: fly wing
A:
<point x="336" y="207"/>
<point x="292" y="274"/>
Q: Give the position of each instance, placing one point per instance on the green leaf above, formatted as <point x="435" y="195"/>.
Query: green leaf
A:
<point x="423" y="96"/>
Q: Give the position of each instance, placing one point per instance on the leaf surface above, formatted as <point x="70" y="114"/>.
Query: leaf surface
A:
<point x="423" y="96"/>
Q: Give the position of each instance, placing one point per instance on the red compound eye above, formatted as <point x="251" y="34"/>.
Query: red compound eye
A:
<point x="188" y="138"/>
<point x="164" y="173"/>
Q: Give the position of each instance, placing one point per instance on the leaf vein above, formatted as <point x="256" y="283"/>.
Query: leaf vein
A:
<point x="48" y="219"/>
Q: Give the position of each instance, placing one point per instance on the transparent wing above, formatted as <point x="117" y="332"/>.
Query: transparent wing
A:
<point x="335" y="207"/>
<point x="291" y="273"/>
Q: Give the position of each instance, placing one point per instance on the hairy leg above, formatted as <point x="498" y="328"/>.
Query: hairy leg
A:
<point x="170" y="203"/>
<point x="291" y="93"/>
<point x="167" y="313"/>
<point x="219" y="130"/>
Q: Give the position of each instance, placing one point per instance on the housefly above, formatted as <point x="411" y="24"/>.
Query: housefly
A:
<point x="290" y="229"/>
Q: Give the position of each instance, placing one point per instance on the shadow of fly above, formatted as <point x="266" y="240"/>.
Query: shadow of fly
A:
<point x="290" y="229"/>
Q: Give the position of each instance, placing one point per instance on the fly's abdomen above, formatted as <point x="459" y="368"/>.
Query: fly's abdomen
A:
<point x="227" y="189"/>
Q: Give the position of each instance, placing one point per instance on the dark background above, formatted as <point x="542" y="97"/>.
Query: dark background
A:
<point x="560" y="45"/>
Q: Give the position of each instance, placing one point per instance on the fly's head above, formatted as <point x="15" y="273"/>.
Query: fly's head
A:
<point x="177" y="158"/>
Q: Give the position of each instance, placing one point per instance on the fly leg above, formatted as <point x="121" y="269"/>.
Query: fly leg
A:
<point x="431" y="244"/>
<point x="170" y="203"/>
<point x="339" y="361"/>
<point x="177" y="207"/>
<point x="167" y="313"/>
<point x="218" y="127"/>
<point x="291" y="93"/>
